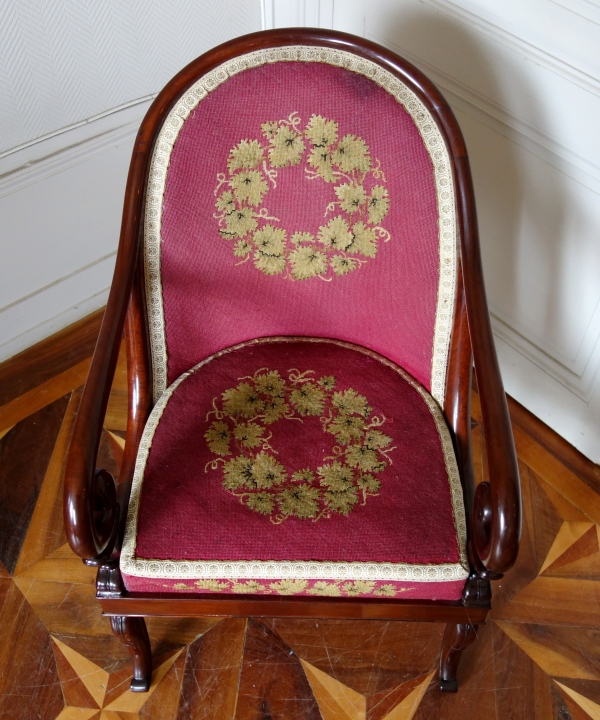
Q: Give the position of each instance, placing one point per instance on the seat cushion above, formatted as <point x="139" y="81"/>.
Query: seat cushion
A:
<point x="296" y="466"/>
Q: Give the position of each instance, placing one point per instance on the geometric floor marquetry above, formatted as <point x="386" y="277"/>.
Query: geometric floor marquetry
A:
<point x="537" y="658"/>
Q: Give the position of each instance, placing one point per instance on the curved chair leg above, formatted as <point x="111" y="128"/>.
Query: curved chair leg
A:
<point x="456" y="639"/>
<point x="132" y="632"/>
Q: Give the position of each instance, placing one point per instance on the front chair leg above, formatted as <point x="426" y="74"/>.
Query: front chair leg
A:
<point x="132" y="632"/>
<point x="456" y="639"/>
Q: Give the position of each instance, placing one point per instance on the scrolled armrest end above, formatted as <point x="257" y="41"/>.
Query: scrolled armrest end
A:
<point x="92" y="517"/>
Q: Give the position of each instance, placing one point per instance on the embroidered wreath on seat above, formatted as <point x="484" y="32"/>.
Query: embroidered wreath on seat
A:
<point x="344" y="242"/>
<point x="239" y="435"/>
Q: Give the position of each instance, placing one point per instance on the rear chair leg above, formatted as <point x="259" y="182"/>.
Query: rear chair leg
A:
<point x="132" y="632"/>
<point x="456" y="639"/>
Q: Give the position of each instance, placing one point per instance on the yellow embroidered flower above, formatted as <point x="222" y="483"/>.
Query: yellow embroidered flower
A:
<point x="376" y="440"/>
<point x="349" y="402"/>
<point x="351" y="197"/>
<point x="181" y="586"/>
<point x="261" y="482"/>
<point x="301" y="501"/>
<point x="214" y="585"/>
<point x="250" y="587"/>
<point x="378" y="204"/>
<point x="364" y="459"/>
<point x="358" y="587"/>
<point x="321" y="132"/>
<point x="247" y="154"/>
<point x="305" y="475"/>
<point x="368" y="484"/>
<point x="364" y="241"/>
<point x="287" y="147"/>
<point x="251" y="163"/>
<point x="327" y="381"/>
<point x="321" y="587"/>
<point x="225" y="202"/>
<point x="335" y="234"/>
<point x="346" y="428"/>
<point x="342" y="265"/>
<point x="239" y="223"/>
<point x="320" y="159"/>
<point x="386" y="591"/>
<point x="300" y="237"/>
<point x="269" y="256"/>
<point x="341" y="502"/>
<point x="249" y="185"/>
<point x="269" y="240"/>
<point x="336" y="476"/>
<point x="269" y="129"/>
<point x="270" y="383"/>
<point x="269" y="264"/>
<point x="261" y="503"/>
<point x="249" y="434"/>
<point x="242" y="400"/>
<point x="307" y="262"/>
<point x="242" y="248"/>
<point x="237" y="473"/>
<point x="308" y="399"/>
<point x="266" y="471"/>
<point x="274" y="409"/>
<point x="218" y="437"/>
<point x="289" y="587"/>
<point x="352" y="153"/>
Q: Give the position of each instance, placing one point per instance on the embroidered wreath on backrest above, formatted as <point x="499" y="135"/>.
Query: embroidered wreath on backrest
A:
<point x="344" y="242"/>
<point x="239" y="436"/>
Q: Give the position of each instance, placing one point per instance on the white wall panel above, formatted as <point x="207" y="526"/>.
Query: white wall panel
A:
<point x="77" y="77"/>
<point x="523" y="77"/>
<point x="67" y="60"/>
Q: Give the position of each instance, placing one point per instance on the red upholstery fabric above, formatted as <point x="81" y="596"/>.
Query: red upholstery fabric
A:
<point x="309" y="588"/>
<point x="213" y="300"/>
<point x="373" y="479"/>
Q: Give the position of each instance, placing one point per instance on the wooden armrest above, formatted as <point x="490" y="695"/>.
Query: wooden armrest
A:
<point x="496" y="515"/>
<point x="91" y="511"/>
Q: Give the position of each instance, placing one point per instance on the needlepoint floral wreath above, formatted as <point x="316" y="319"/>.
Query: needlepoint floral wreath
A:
<point x="351" y="228"/>
<point x="239" y="437"/>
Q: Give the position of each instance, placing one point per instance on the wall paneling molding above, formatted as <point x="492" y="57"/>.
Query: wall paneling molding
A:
<point x="530" y="47"/>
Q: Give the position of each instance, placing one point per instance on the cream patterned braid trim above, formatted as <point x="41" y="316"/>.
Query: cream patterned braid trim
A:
<point x="211" y="569"/>
<point x="434" y="143"/>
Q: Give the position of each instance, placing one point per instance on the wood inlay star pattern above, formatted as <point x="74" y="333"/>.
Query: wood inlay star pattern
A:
<point x="96" y="681"/>
<point x="537" y="658"/>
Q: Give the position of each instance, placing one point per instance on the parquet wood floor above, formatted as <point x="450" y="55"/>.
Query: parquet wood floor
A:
<point x="538" y="657"/>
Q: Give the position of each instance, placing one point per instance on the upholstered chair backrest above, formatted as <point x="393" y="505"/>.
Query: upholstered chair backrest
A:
<point x="300" y="191"/>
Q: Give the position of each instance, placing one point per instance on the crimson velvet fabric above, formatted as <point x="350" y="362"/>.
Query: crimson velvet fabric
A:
<point x="334" y="409"/>
<point x="212" y="299"/>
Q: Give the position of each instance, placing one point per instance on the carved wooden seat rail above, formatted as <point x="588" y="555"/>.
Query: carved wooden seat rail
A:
<point x="95" y="505"/>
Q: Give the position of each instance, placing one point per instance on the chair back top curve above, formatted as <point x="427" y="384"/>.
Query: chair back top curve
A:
<point x="301" y="185"/>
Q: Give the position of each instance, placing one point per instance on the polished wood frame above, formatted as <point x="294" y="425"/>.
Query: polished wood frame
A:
<point x="95" y="506"/>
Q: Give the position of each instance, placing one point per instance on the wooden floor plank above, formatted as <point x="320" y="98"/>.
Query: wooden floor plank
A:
<point x="272" y="681"/>
<point x="557" y="476"/>
<point x="555" y="601"/>
<point x="554" y="657"/>
<point x="24" y="456"/>
<point x="43" y="395"/>
<point x="29" y="683"/>
<point x="212" y="673"/>
<point x="46" y="529"/>
<point x="49" y="358"/>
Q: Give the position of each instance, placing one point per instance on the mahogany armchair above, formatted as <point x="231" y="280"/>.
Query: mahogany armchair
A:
<point x="300" y="285"/>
